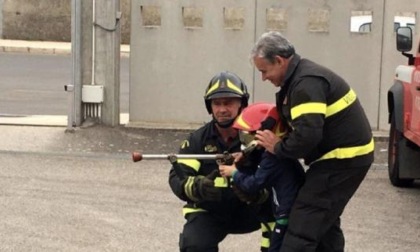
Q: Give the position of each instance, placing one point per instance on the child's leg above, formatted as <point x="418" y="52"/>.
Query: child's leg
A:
<point x="278" y="233"/>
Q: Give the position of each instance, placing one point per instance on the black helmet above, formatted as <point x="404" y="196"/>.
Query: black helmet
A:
<point x="226" y="84"/>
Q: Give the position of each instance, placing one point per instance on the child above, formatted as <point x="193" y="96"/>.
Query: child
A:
<point x="283" y="176"/>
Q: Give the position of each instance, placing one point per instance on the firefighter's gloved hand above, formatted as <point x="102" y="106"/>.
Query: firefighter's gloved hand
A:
<point x="255" y="198"/>
<point x="204" y="187"/>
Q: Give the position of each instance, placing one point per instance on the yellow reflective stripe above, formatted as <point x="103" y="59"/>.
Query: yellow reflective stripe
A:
<point x="229" y="84"/>
<point x="188" y="188"/>
<point x="185" y="144"/>
<point x="234" y="87"/>
<point x="308" y="108"/>
<point x="212" y="88"/>
<point x="279" y="130"/>
<point x="342" y="103"/>
<point x="349" y="152"/>
<point x="242" y="123"/>
<point x="187" y="210"/>
<point x="265" y="242"/>
<point x="270" y="225"/>
<point x="321" y="108"/>
<point x="221" y="182"/>
<point x="193" y="163"/>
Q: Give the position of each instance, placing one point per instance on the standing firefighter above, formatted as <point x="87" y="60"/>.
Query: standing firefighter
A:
<point x="329" y="130"/>
<point x="213" y="208"/>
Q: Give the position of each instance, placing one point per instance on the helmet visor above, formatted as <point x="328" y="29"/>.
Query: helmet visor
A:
<point x="246" y="137"/>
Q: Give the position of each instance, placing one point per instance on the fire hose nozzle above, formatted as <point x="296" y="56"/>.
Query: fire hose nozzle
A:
<point x="137" y="156"/>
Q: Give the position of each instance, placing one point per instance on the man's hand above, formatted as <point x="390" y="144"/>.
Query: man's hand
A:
<point x="204" y="187"/>
<point x="267" y="139"/>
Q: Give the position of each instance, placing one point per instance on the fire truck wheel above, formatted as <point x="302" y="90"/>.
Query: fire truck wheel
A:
<point x="394" y="151"/>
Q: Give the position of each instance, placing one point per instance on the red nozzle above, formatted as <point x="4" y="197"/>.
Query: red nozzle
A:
<point x="137" y="156"/>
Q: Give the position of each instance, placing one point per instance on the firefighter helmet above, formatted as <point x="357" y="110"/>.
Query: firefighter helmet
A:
<point x="258" y="116"/>
<point x="226" y="84"/>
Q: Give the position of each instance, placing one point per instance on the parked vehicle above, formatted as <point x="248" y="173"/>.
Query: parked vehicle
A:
<point x="404" y="115"/>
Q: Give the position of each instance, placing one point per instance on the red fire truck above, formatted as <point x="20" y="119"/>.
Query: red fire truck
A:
<point x="404" y="115"/>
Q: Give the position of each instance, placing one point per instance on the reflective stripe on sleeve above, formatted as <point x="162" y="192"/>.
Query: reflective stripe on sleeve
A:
<point x="349" y="152"/>
<point x="221" y="182"/>
<point x="193" y="163"/>
<point x="342" y="103"/>
<point x="308" y="108"/>
<point x="321" y="108"/>
<point x="188" y="188"/>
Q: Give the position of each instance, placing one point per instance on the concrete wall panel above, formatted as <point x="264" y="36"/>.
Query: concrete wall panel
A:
<point x="320" y="31"/>
<point x="171" y="64"/>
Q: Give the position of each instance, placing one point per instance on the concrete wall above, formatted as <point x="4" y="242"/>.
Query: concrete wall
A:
<point x="46" y="20"/>
<point x="177" y="46"/>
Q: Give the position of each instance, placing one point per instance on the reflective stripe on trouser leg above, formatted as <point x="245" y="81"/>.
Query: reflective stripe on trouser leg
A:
<point x="266" y="229"/>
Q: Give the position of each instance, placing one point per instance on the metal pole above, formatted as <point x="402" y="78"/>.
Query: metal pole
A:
<point x="224" y="158"/>
<point x="182" y="156"/>
<point x="74" y="89"/>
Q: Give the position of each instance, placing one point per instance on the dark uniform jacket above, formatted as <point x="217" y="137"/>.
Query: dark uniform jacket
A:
<point x="282" y="177"/>
<point x="204" y="141"/>
<point x="326" y="119"/>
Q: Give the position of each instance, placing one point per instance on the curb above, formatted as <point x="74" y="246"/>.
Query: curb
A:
<point x="44" y="120"/>
<point x="44" y="47"/>
<point x="61" y="121"/>
<point x="380" y="136"/>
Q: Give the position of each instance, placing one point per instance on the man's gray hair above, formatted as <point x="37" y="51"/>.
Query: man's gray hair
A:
<point x="272" y="44"/>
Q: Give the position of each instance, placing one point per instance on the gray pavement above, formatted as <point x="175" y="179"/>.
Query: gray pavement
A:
<point x="81" y="191"/>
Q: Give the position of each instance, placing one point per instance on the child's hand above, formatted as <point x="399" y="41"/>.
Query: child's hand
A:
<point x="227" y="170"/>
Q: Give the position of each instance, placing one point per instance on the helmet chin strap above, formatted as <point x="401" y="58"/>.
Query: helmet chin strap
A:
<point x="227" y="123"/>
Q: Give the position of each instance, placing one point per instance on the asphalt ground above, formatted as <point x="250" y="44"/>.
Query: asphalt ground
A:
<point x="80" y="191"/>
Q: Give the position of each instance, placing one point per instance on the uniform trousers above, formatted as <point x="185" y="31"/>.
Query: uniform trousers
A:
<point x="314" y="222"/>
<point x="203" y="231"/>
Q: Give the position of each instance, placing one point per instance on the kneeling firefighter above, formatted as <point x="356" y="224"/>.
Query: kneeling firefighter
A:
<point x="213" y="208"/>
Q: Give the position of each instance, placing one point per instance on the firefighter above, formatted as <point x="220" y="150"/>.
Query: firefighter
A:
<point x="329" y="130"/>
<point x="213" y="208"/>
<point x="283" y="178"/>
